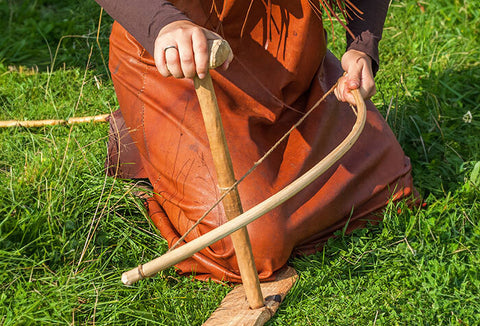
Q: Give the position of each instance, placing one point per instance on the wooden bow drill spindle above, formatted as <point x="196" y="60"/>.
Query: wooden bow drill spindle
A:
<point x="225" y="176"/>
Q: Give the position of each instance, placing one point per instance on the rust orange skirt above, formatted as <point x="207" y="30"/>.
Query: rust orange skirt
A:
<point x="159" y="135"/>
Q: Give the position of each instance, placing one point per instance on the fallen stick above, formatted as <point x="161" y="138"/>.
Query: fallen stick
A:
<point x="52" y="122"/>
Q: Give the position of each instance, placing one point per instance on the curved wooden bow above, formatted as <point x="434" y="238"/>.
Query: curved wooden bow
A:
<point x="189" y="249"/>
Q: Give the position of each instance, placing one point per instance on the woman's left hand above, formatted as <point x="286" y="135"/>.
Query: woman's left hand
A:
<point x="358" y="75"/>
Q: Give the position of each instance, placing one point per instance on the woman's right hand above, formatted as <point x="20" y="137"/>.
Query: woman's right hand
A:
<point x="181" y="50"/>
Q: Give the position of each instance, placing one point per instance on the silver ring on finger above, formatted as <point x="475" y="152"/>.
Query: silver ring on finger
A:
<point x="169" y="47"/>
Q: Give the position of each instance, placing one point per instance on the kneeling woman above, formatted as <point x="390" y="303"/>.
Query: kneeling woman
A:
<point x="281" y="67"/>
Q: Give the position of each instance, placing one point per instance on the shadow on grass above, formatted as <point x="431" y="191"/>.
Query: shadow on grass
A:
<point x="32" y="32"/>
<point x="438" y="125"/>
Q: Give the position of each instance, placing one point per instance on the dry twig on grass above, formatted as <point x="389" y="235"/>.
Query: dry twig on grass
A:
<point x="52" y="122"/>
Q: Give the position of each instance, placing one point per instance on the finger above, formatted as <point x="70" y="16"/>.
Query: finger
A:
<point x="200" y="52"/>
<point x="227" y="62"/>
<point x="353" y="81"/>
<point x="172" y="59"/>
<point x="353" y="77"/>
<point x="187" y="60"/>
<point x="339" y="89"/>
<point x="159" y="56"/>
<point x="337" y="95"/>
<point x="348" y="96"/>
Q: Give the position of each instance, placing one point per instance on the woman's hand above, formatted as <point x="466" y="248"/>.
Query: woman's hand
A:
<point x="181" y="50"/>
<point x="358" y="75"/>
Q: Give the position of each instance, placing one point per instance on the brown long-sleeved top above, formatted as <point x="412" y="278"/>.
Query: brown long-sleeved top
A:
<point x="145" y="18"/>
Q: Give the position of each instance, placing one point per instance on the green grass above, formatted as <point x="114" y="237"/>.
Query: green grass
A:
<point x="67" y="232"/>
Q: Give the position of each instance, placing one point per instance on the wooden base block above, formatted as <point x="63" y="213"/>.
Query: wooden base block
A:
<point x="234" y="309"/>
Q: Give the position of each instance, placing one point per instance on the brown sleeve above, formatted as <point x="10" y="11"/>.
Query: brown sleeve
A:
<point x="143" y="18"/>
<point x="367" y="28"/>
